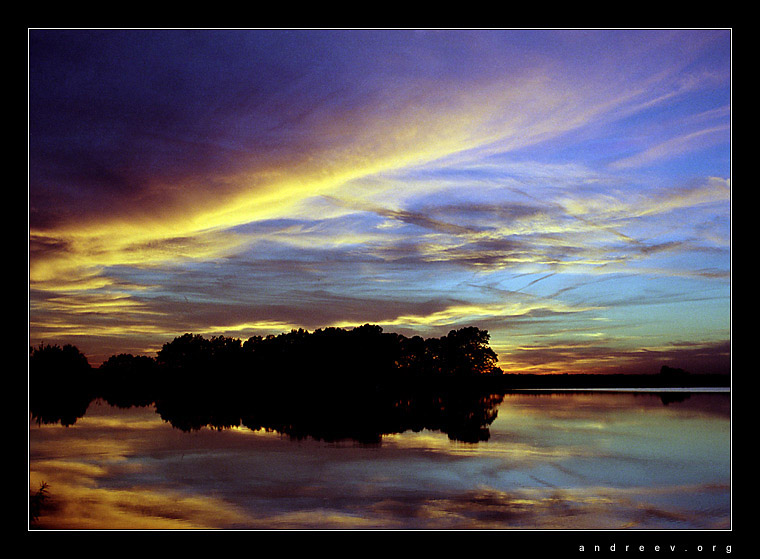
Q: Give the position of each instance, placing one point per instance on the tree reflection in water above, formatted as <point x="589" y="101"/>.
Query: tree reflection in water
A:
<point x="362" y="416"/>
<point x="365" y="418"/>
<point x="329" y="385"/>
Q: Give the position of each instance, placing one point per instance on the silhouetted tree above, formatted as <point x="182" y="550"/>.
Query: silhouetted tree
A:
<point x="53" y="362"/>
<point x="37" y="502"/>
<point x="187" y="352"/>
<point x="411" y="360"/>
<point x="466" y="352"/>
<point x="373" y="354"/>
<point x="61" y="384"/>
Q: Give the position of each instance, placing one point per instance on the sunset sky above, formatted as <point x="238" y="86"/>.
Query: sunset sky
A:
<point x="566" y="190"/>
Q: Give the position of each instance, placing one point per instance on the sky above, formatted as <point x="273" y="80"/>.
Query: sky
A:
<point x="567" y="190"/>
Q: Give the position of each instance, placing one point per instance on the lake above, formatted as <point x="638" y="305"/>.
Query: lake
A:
<point x="589" y="460"/>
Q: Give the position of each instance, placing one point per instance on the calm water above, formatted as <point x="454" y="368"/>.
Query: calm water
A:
<point x="580" y="461"/>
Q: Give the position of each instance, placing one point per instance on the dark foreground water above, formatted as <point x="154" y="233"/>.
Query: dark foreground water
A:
<point x="560" y="461"/>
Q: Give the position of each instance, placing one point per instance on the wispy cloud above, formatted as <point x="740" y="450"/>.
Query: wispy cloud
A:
<point x="676" y="146"/>
<point x="238" y="181"/>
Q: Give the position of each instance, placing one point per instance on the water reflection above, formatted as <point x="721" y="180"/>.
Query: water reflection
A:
<point x="364" y="413"/>
<point x="540" y="461"/>
<point x="365" y="418"/>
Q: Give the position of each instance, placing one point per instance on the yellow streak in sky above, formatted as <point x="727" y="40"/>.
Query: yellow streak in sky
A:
<point x="268" y="326"/>
<point x="462" y="313"/>
<point x="189" y="220"/>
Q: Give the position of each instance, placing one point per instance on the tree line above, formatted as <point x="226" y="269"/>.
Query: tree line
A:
<point x="365" y="350"/>
<point x="195" y="381"/>
<point x="329" y="384"/>
<point x="338" y="358"/>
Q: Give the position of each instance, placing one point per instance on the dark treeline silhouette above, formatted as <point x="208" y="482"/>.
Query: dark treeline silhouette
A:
<point x="330" y="384"/>
<point x="332" y="353"/>
<point x="61" y="384"/>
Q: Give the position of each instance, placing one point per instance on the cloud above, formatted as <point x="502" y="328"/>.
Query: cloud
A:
<point x="606" y="356"/>
<point x="188" y="156"/>
<point x="676" y="146"/>
<point x="241" y="181"/>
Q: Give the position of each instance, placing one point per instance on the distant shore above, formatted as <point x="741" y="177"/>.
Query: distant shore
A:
<point x="629" y="382"/>
<point x="697" y="389"/>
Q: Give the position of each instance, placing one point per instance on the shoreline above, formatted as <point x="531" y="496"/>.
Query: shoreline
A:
<point x="655" y="390"/>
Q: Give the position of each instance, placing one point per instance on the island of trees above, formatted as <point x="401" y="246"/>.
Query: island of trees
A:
<point x="330" y="384"/>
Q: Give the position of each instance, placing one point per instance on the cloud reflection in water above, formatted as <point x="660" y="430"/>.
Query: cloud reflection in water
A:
<point x="568" y="461"/>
